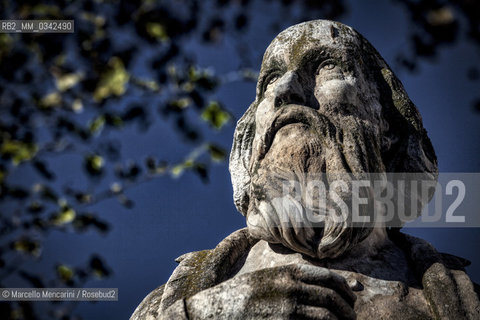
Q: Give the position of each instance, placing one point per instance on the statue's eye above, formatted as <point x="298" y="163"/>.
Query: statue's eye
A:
<point x="326" y="65"/>
<point x="271" y="79"/>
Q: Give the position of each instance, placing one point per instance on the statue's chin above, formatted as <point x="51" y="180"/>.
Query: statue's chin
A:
<point x="286" y="221"/>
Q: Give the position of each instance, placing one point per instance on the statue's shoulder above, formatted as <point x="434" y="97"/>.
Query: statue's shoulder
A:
<point x="149" y="308"/>
<point x="197" y="271"/>
<point x="446" y="285"/>
<point x="423" y="254"/>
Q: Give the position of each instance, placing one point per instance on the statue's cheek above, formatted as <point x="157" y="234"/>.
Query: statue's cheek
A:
<point x="336" y="92"/>
<point x="265" y="111"/>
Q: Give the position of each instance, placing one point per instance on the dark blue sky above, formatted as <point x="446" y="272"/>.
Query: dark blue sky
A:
<point x="175" y="216"/>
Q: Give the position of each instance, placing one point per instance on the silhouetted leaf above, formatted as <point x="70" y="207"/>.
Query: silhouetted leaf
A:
<point x="476" y="105"/>
<point x="155" y="167"/>
<point x="241" y="21"/>
<point x="34" y="280"/>
<point x="201" y="170"/>
<point x="150" y="162"/>
<point x="126" y="202"/>
<point x="98" y="267"/>
<point x="46" y="193"/>
<point x="83" y="222"/>
<point x="217" y="153"/>
<point x="35" y="207"/>
<point x="17" y="192"/>
<point x="3" y="174"/>
<point x="27" y="245"/>
<point x="130" y="172"/>
<point x="43" y="170"/>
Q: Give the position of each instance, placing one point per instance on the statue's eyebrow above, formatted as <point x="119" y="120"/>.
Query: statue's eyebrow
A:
<point x="275" y="64"/>
<point x="314" y="56"/>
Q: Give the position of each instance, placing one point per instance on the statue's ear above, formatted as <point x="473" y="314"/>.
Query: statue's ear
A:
<point x="410" y="155"/>
<point x="411" y="150"/>
<point x="240" y="158"/>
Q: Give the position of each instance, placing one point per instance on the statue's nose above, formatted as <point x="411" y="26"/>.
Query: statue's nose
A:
<point x="288" y="90"/>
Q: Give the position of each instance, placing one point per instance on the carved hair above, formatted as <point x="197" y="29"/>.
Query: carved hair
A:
<point x="409" y="148"/>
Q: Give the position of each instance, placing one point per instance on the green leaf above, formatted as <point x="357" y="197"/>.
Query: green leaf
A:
<point x="200" y="78"/>
<point x="179" y="104"/>
<point x="97" y="162"/>
<point x="27" y="245"/>
<point x="46" y="10"/>
<point x="67" y="81"/>
<point x="97" y="124"/>
<point x="215" y="115"/>
<point x="179" y="168"/>
<point x="6" y="42"/>
<point x="97" y="20"/>
<point x="66" y="215"/>
<point x="154" y="167"/>
<point x="94" y="164"/>
<point x="65" y="273"/>
<point x="18" y="151"/>
<point x="77" y="106"/>
<point x="157" y="31"/>
<point x="113" y="81"/>
<point x="113" y="120"/>
<point x="50" y="100"/>
<point x="147" y="84"/>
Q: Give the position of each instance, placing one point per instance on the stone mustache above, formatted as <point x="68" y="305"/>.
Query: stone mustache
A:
<point x="327" y="105"/>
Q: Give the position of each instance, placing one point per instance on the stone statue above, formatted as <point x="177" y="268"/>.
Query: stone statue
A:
<point x="326" y="104"/>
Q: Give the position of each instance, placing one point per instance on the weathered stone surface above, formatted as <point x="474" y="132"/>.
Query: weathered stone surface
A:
<point x="327" y="106"/>
<point x="149" y="309"/>
<point x="397" y="297"/>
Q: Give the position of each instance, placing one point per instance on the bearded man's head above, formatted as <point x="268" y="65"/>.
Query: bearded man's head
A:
<point x="327" y="107"/>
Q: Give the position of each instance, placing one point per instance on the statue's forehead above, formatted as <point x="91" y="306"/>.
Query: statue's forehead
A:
<point x="293" y="42"/>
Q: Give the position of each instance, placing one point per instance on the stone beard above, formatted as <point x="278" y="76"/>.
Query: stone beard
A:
<point x="318" y="111"/>
<point x="299" y="153"/>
